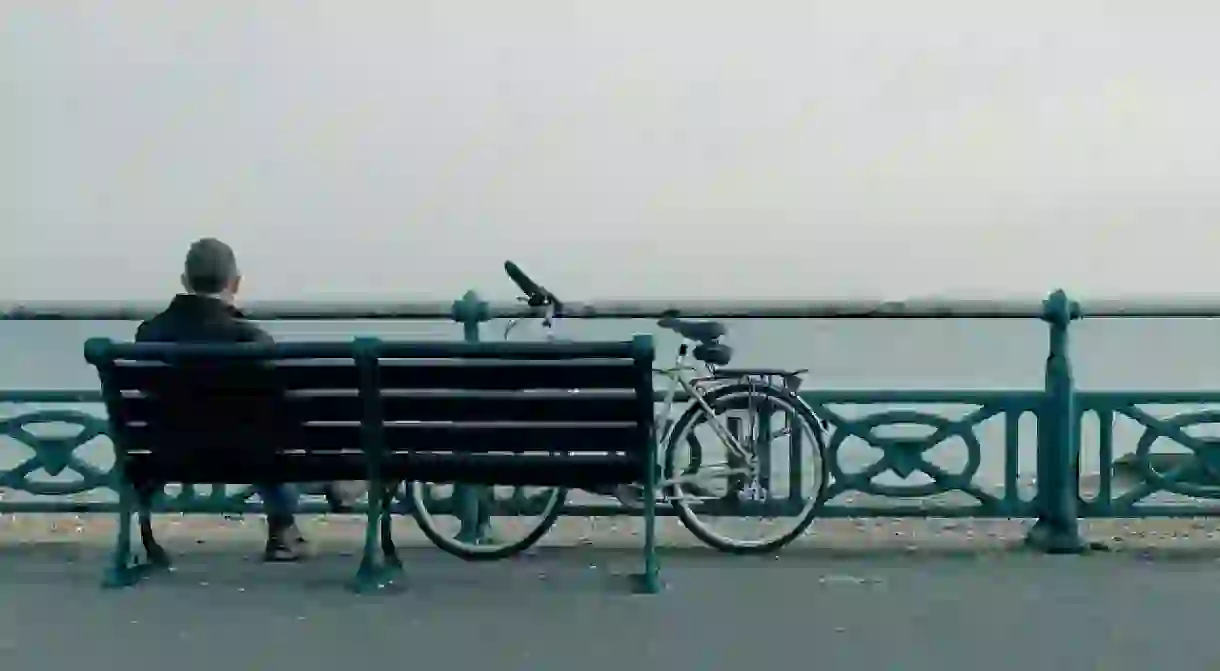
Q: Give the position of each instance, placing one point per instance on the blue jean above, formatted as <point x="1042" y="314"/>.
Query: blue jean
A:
<point x="280" y="502"/>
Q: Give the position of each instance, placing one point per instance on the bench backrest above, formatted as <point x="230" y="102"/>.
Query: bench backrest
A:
<point x="520" y="413"/>
<point x="208" y="413"/>
<point x="494" y="412"/>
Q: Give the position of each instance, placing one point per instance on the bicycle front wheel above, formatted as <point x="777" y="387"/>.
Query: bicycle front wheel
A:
<point x="719" y="497"/>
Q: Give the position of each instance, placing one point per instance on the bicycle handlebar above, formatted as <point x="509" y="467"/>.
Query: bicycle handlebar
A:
<point x="536" y="295"/>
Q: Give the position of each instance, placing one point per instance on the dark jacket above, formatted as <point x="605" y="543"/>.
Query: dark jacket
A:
<point x="200" y="319"/>
<point x="243" y="403"/>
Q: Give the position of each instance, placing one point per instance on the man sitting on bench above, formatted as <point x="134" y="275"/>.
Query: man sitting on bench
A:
<point x="206" y="314"/>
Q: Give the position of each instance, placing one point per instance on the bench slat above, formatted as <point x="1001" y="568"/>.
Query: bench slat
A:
<point x="444" y="406"/>
<point x="332" y="374"/>
<point x="103" y="351"/>
<point x="231" y="468"/>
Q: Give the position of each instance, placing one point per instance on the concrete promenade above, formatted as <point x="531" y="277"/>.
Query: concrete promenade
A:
<point x="909" y="596"/>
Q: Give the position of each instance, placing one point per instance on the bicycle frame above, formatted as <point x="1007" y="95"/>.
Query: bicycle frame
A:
<point x="678" y="379"/>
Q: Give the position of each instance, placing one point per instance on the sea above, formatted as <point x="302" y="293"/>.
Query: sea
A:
<point x="950" y="354"/>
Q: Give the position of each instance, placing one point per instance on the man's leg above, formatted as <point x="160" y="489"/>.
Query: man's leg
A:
<point x="341" y="495"/>
<point x="284" y="540"/>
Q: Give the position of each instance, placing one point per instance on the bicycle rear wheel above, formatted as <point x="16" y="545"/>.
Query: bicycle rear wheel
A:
<point x="788" y="485"/>
<point x="496" y="536"/>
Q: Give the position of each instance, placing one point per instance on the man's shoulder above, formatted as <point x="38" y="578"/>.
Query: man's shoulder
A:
<point x="248" y="331"/>
<point x="188" y="320"/>
<point x="152" y="329"/>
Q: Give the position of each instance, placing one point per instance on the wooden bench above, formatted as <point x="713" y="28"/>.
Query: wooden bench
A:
<point x="572" y="415"/>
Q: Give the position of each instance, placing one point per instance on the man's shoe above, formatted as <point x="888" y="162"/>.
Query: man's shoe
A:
<point x="285" y="545"/>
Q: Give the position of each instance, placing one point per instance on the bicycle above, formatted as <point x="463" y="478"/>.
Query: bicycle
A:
<point x="718" y="398"/>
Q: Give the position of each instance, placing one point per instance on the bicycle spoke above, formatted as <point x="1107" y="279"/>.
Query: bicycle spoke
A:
<point x="745" y="500"/>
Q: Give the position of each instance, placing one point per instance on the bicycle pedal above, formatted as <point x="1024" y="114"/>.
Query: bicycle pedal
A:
<point x="752" y="493"/>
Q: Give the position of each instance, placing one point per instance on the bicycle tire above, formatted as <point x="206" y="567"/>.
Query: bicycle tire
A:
<point x="552" y="511"/>
<point x="721" y="398"/>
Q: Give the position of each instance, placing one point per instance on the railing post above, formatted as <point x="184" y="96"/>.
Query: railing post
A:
<point x="471" y="311"/>
<point x="1057" y="530"/>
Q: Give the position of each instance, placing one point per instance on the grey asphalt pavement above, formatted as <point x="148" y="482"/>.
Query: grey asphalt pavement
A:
<point x="568" y="609"/>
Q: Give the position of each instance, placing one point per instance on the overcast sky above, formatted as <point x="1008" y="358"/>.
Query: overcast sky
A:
<point x="659" y="148"/>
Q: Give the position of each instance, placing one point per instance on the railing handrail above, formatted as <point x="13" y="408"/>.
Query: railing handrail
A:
<point x="930" y="308"/>
<point x="619" y="309"/>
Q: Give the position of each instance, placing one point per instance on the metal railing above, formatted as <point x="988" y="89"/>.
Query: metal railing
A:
<point x="1053" y="413"/>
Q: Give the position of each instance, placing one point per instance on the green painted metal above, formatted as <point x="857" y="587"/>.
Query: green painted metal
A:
<point x="473" y="501"/>
<point x="1192" y="477"/>
<point x="1057" y="529"/>
<point x="902" y="457"/>
<point x="1131" y="486"/>
<point x="906" y="456"/>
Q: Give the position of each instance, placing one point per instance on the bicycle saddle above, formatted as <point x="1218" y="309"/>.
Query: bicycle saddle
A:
<point x="715" y="353"/>
<point x="704" y="332"/>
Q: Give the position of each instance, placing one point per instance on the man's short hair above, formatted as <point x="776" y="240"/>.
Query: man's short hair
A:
<point x="211" y="266"/>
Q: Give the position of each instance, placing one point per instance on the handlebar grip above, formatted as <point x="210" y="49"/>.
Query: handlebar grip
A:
<point x="523" y="282"/>
<point x="535" y="293"/>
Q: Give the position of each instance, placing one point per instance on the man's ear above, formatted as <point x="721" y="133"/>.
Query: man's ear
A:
<point x="236" y="285"/>
<point x="186" y="286"/>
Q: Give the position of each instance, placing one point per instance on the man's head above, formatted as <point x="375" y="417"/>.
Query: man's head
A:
<point x="211" y="269"/>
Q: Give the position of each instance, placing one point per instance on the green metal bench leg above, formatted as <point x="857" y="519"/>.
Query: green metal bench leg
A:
<point x="157" y="557"/>
<point x="649" y="582"/>
<point x="121" y="572"/>
<point x="372" y="575"/>
<point x="389" y="551"/>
